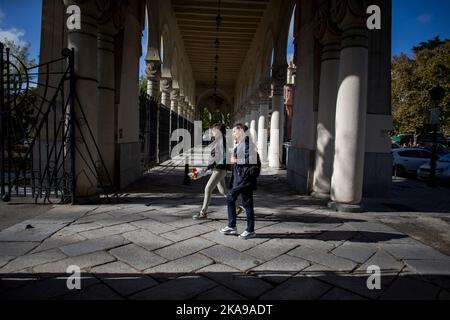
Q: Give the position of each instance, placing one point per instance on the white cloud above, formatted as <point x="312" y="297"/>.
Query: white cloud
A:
<point x="425" y="18"/>
<point x="13" y="34"/>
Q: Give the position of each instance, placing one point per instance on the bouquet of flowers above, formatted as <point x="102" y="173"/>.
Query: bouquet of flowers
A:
<point x="197" y="173"/>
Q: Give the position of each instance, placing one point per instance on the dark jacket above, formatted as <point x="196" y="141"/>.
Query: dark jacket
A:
<point x="248" y="167"/>
<point x="212" y="164"/>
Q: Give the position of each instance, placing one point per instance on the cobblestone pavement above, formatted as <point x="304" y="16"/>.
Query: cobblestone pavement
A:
<point x="147" y="246"/>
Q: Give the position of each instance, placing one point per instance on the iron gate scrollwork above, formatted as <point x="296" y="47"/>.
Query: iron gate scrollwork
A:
<point x="43" y="128"/>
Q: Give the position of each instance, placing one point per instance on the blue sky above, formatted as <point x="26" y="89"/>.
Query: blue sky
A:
<point x="413" y="21"/>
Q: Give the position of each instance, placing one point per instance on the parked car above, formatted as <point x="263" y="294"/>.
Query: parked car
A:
<point x="409" y="160"/>
<point x="440" y="150"/>
<point x="442" y="170"/>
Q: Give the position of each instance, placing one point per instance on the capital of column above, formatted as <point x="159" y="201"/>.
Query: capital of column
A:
<point x="325" y="29"/>
<point x="350" y="16"/>
<point x="153" y="69"/>
<point x="166" y="85"/>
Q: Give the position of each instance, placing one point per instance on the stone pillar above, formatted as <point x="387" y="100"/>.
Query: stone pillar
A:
<point x="84" y="43"/>
<point x="264" y="93"/>
<point x="276" y="124"/>
<point x="106" y="100"/>
<point x="166" y="87"/>
<point x="180" y="104"/>
<point x="254" y="112"/>
<point x="329" y="36"/>
<point x="153" y="74"/>
<point x="247" y="117"/>
<point x="347" y="181"/>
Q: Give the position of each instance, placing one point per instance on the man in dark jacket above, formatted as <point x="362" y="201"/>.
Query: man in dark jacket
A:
<point x="246" y="169"/>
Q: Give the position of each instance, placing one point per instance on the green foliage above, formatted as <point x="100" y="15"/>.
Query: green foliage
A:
<point x="216" y="117"/>
<point x="412" y="78"/>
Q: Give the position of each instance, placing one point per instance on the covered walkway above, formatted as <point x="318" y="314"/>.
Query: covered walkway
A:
<point x="148" y="247"/>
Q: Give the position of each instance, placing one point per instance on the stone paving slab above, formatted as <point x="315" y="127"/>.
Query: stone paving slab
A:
<point x="92" y="245"/>
<point x="16" y="248"/>
<point x="84" y="262"/>
<point x="231" y="257"/>
<point x="183" y="265"/>
<point x="229" y="241"/>
<point x="326" y="259"/>
<point x="31" y="260"/>
<point x="426" y="267"/>
<point x="387" y="263"/>
<point x="20" y="232"/>
<point x="123" y="278"/>
<point x="153" y="226"/>
<point x="411" y="289"/>
<point x="298" y="288"/>
<point x="184" y="248"/>
<point x="247" y="285"/>
<point x="147" y="239"/>
<point x="182" y="288"/>
<point x="272" y="248"/>
<point x="50" y="288"/>
<point x="108" y="231"/>
<point x="417" y="251"/>
<point x="58" y="240"/>
<point x="181" y="234"/>
<point x="283" y="264"/>
<point x="137" y="257"/>
<point x="357" y="252"/>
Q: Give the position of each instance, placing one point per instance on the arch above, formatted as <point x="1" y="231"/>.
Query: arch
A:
<point x="209" y="92"/>
<point x="280" y="43"/>
<point x="266" y="59"/>
<point x="166" y="51"/>
<point x="153" y="41"/>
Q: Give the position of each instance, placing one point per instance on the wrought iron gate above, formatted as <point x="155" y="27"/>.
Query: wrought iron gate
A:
<point x="164" y="134"/>
<point x="43" y="130"/>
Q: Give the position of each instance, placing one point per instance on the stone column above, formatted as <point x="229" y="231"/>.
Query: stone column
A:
<point x="247" y="117"/>
<point x="276" y="124"/>
<point x="84" y="43"/>
<point x="166" y="87"/>
<point x="153" y="74"/>
<point x="254" y="113"/>
<point x="264" y="93"/>
<point x="180" y="104"/>
<point x="106" y="99"/>
<point x="329" y="36"/>
<point x="347" y="181"/>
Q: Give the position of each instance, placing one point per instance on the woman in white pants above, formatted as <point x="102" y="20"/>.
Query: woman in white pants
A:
<point x="218" y="165"/>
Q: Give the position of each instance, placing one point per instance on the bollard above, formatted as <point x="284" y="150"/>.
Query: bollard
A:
<point x="186" y="180"/>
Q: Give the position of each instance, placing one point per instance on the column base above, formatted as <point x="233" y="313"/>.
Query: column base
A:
<point x="321" y="196"/>
<point x="344" y="207"/>
<point x="87" y="200"/>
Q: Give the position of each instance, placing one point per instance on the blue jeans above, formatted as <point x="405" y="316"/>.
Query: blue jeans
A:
<point x="247" y="202"/>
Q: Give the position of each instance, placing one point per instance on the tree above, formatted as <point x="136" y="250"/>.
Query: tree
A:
<point x="412" y="78"/>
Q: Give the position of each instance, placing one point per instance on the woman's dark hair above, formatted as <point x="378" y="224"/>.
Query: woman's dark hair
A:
<point x="221" y="127"/>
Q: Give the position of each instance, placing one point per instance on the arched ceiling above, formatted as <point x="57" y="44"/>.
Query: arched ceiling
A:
<point x="197" y="23"/>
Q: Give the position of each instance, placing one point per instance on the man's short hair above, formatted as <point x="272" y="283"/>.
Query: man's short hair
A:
<point x="240" y="126"/>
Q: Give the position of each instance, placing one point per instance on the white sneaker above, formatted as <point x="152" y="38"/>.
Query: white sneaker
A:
<point x="228" y="231"/>
<point x="247" y="235"/>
